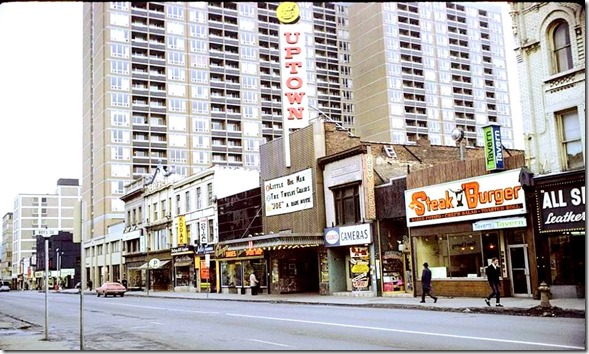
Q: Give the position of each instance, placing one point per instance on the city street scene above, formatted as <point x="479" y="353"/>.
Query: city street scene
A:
<point x="293" y="176"/>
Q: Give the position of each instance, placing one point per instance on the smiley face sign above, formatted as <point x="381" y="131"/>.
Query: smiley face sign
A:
<point x="288" y="12"/>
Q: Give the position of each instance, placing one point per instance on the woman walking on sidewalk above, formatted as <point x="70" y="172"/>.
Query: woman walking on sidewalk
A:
<point x="493" y="272"/>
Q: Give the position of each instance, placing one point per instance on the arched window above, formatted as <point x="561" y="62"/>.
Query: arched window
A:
<point x="561" y="44"/>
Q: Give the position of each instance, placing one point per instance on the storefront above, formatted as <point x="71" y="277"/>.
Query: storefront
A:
<point x="351" y="259"/>
<point x="458" y="227"/>
<point x="235" y="267"/>
<point x="185" y="277"/>
<point x="206" y="270"/>
<point x="560" y="238"/>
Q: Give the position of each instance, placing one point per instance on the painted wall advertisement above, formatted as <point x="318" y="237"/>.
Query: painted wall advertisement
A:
<point x="561" y="207"/>
<point x="289" y="193"/>
<point x="481" y="197"/>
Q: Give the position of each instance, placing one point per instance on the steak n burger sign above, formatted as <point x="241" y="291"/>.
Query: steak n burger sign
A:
<point x="488" y="196"/>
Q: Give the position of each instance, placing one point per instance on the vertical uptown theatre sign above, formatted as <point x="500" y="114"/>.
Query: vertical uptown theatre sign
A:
<point x="293" y="67"/>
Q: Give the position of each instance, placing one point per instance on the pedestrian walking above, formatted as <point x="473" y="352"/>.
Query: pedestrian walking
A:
<point x="493" y="272"/>
<point x="254" y="283"/>
<point x="426" y="284"/>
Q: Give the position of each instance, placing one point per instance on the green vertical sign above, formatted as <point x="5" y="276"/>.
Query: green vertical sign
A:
<point x="493" y="147"/>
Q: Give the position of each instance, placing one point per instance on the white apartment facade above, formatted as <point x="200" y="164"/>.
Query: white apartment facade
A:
<point x="422" y="69"/>
<point x="6" y="257"/>
<point x="192" y="84"/>
<point x="34" y="212"/>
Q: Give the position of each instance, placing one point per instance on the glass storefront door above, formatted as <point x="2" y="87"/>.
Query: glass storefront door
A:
<point x="520" y="270"/>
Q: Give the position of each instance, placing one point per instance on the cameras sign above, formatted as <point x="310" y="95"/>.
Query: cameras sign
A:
<point x="482" y="197"/>
<point x="348" y="235"/>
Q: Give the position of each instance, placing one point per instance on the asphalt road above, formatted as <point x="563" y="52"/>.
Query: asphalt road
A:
<point x="138" y="323"/>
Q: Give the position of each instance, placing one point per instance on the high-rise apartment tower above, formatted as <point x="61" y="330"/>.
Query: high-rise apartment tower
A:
<point x="422" y="69"/>
<point x="193" y="84"/>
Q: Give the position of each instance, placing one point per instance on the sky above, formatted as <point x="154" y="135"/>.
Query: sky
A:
<point x="41" y="96"/>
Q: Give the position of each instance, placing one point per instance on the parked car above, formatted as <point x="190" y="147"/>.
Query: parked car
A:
<point x="111" y="288"/>
<point x="4" y="287"/>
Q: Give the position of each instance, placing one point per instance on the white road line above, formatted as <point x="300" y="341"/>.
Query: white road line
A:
<point x="166" y="309"/>
<point x="412" y="332"/>
<point x="156" y="323"/>
<point x="263" y="341"/>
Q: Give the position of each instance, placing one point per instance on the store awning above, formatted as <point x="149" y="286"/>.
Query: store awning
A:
<point x="162" y="263"/>
<point x="183" y="264"/>
<point x="272" y="242"/>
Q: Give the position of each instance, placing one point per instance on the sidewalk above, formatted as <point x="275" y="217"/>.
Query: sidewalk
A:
<point x="457" y="303"/>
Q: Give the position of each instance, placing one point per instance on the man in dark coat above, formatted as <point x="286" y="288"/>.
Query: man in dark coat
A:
<point x="493" y="272"/>
<point x="426" y="283"/>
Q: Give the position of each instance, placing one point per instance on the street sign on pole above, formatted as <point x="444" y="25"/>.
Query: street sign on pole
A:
<point x="45" y="232"/>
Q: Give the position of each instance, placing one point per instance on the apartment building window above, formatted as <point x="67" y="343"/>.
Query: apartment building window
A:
<point x="201" y="125"/>
<point x="249" y="82"/>
<point x="119" y="5"/>
<point x="199" y="76"/>
<point x="561" y="48"/>
<point x="347" y="204"/>
<point x="201" y="157"/>
<point x="119" y="51"/>
<point x="175" y="28"/>
<point x="175" y="43"/>
<point x="251" y="159"/>
<point x="198" y="198"/>
<point x="119" y="67"/>
<point x="119" y="83"/>
<point x="176" y="58"/>
<point x="198" y="30"/>
<point x="210" y="193"/>
<point x="197" y="16"/>
<point x="120" y="99"/>
<point x="175" y="12"/>
<point x="198" y="46"/>
<point x="210" y="235"/>
<point x="178" y="156"/>
<point x="155" y="213"/>
<point x="570" y="138"/>
<point x="118" y="187"/>
<point x="177" y="105"/>
<point x="120" y="153"/>
<point x="119" y="35"/>
<point x="178" y="204"/>
<point x="177" y="74"/>
<point x="187" y="201"/>
<point x="119" y="118"/>
<point x="200" y="107"/>
<point x="246" y="10"/>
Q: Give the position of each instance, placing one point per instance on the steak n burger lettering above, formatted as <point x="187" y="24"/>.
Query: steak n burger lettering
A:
<point x="421" y="202"/>
<point x="492" y="195"/>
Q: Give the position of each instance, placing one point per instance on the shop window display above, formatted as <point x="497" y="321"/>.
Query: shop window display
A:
<point x="457" y="256"/>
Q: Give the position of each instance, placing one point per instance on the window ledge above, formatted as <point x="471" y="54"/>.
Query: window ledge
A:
<point x="565" y="79"/>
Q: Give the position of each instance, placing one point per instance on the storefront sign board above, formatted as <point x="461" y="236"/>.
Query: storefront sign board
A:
<point x="293" y="68"/>
<point x="561" y="207"/>
<point x="182" y="230"/>
<point x="348" y="235"/>
<point x="493" y="147"/>
<point x="503" y="223"/>
<point x="289" y="193"/>
<point x="493" y="195"/>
